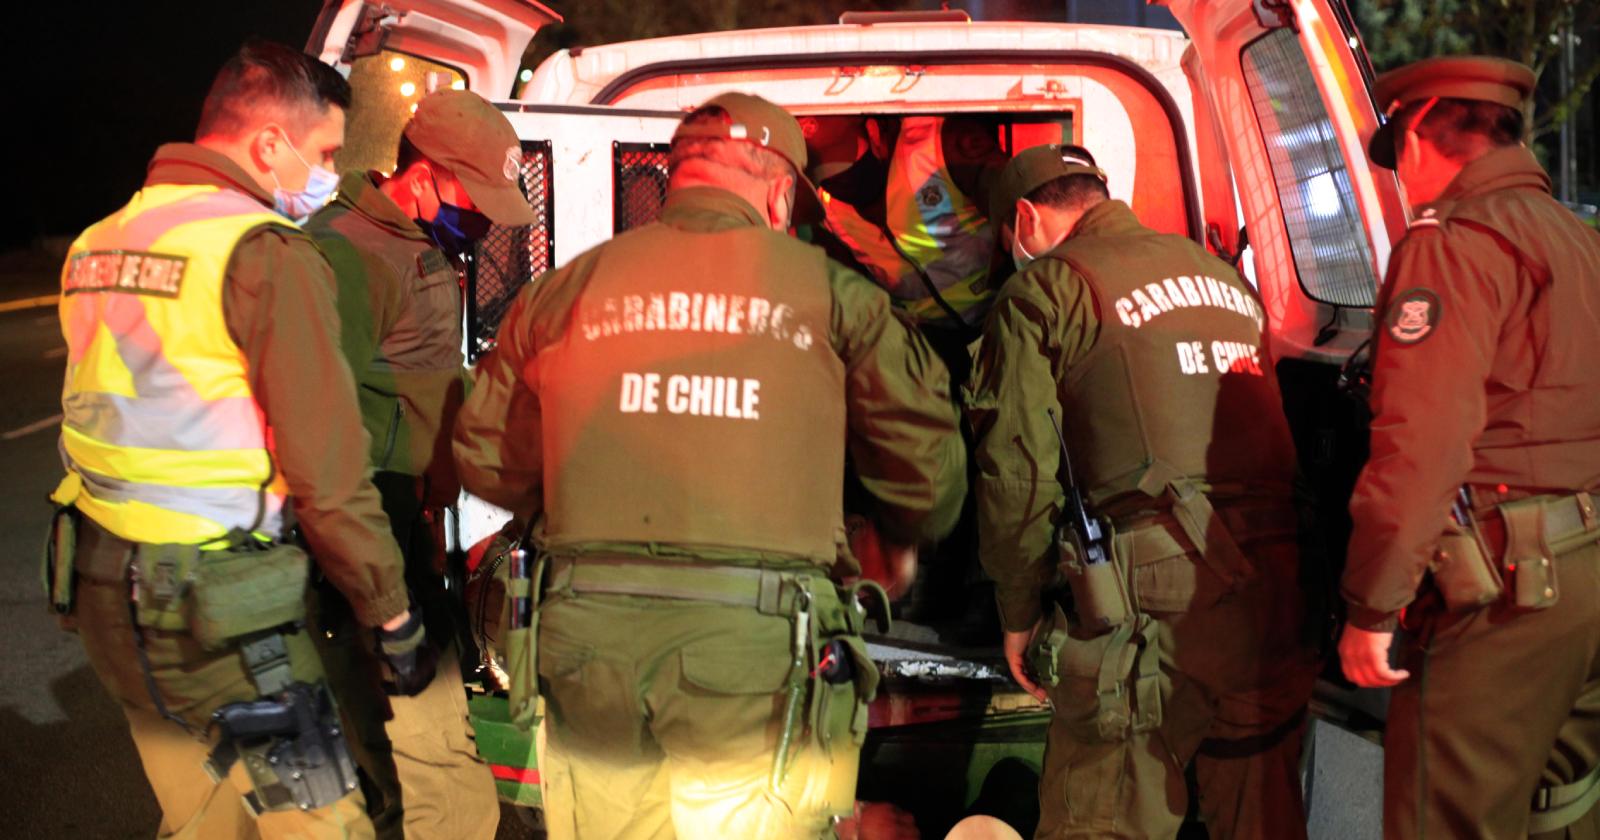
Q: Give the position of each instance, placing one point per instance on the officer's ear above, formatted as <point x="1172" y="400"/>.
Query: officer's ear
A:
<point x="267" y="146"/>
<point x="780" y="202"/>
<point x="1027" y="217"/>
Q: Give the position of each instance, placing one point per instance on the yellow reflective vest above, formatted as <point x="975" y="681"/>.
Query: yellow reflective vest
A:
<point x="161" y="437"/>
<point x="936" y="234"/>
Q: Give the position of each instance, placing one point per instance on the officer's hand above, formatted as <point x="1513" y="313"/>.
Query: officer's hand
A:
<point x="1365" y="656"/>
<point x="405" y="650"/>
<point x="878" y="821"/>
<point x="1016" y="645"/>
<point x="889" y="563"/>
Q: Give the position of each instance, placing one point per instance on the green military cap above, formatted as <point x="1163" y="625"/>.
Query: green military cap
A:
<point x="462" y="132"/>
<point x="752" y="119"/>
<point x="1474" y="77"/>
<point x="1031" y="169"/>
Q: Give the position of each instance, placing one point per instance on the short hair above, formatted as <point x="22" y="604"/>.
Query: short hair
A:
<point x="718" y="153"/>
<point x="1462" y="129"/>
<point x="1070" y="192"/>
<point x="269" y="77"/>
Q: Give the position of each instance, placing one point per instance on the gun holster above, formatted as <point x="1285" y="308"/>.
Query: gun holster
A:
<point x="291" y="746"/>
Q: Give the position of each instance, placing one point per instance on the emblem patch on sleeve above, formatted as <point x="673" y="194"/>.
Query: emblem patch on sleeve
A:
<point x="1412" y="316"/>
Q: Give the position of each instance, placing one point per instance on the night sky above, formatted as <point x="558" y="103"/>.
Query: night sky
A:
<point x="95" y="87"/>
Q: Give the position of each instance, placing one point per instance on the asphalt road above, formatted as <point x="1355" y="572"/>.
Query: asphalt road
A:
<point x="67" y="764"/>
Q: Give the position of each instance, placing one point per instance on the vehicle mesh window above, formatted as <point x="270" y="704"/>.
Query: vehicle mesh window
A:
<point x="1331" y="254"/>
<point x="510" y="257"/>
<point x="640" y="171"/>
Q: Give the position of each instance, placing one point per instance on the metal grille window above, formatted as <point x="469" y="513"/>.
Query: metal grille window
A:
<point x="640" y="175"/>
<point x="510" y="257"/>
<point x="1331" y="254"/>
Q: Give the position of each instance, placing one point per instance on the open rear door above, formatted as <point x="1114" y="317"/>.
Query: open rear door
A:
<point x="1289" y="82"/>
<point x="481" y="39"/>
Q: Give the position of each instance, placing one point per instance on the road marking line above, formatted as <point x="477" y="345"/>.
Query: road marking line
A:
<point x="28" y="303"/>
<point x="32" y="427"/>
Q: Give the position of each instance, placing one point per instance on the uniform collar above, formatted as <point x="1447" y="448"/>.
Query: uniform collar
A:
<point x="192" y="165"/>
<point x="1108" y="218"/>
<point x="359" y="192"/>
<point x="709" y="208"/>
<point x="1511" y="167"/>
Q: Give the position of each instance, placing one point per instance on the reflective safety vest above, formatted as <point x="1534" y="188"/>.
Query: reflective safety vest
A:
<point x="933" y="229"/>
<point x="161" y="437"/>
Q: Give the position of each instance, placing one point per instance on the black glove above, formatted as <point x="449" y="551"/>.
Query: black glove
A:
<point x="410" y="659"/>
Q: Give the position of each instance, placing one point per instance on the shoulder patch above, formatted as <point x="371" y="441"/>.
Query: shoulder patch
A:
<point x="1412" y="316"/>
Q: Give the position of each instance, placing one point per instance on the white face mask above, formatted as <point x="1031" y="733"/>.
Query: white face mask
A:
<point x="298" y="205"/>
<point x="1019" y="252"/>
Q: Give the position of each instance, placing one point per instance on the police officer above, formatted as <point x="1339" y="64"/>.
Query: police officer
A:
<point x="1183" y="646"/>
<point x="204" y="398"/>
<point x="1485" y="447"/>
<point x="392" y="242"/>
<point x="674" y="407"/>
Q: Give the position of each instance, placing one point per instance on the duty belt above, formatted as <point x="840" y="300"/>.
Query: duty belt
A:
<point x="1561" y="519"/>
<point x="771" y="591"/>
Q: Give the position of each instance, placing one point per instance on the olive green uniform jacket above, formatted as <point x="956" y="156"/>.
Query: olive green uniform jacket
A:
<point x="1484" y="372"/>
<point x="400" y="318"/>
<point x="902" y="426"/>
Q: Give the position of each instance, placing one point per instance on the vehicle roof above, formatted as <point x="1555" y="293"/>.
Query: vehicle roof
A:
<point x="575" y="77"/>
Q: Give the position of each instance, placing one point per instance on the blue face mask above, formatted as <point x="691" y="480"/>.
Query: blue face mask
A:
<point x="455" y="230"/>
<point x="318" y="191"/>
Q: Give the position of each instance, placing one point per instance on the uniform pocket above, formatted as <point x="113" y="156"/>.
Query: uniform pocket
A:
<point x="1109" y="686"/>
<point x="726" y="668"/>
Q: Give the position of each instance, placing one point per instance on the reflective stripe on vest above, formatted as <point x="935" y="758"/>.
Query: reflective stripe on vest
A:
<point x="935" y="227"/>
<point x="162" y="439"/>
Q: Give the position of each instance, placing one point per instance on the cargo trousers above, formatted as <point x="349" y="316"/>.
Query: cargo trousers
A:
<point x="193" y="683"/>
<point x="425" y="778"/>
<point x="1216" y="676"/>
<point x="1500" y="701"/>
<point x="664" y="717"/>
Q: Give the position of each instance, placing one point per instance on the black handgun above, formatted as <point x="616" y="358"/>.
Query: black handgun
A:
<point x="1085" y="531"/>
<point x="256" y="719"/>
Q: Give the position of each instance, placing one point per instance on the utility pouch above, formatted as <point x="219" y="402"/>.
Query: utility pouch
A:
<point x="843" y="680"/>
<point x="1110" y="684"/>
<point x="1045" y="651"/>
<point x="56" y="570"/>
<point x="1099" y="590"/>
<point x="1462" y="571"/>
<point x="1528" y="562"/>
<point x="248" y="587"/>
<point x="163" y="575"/>
<point x="522" y="632"/>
